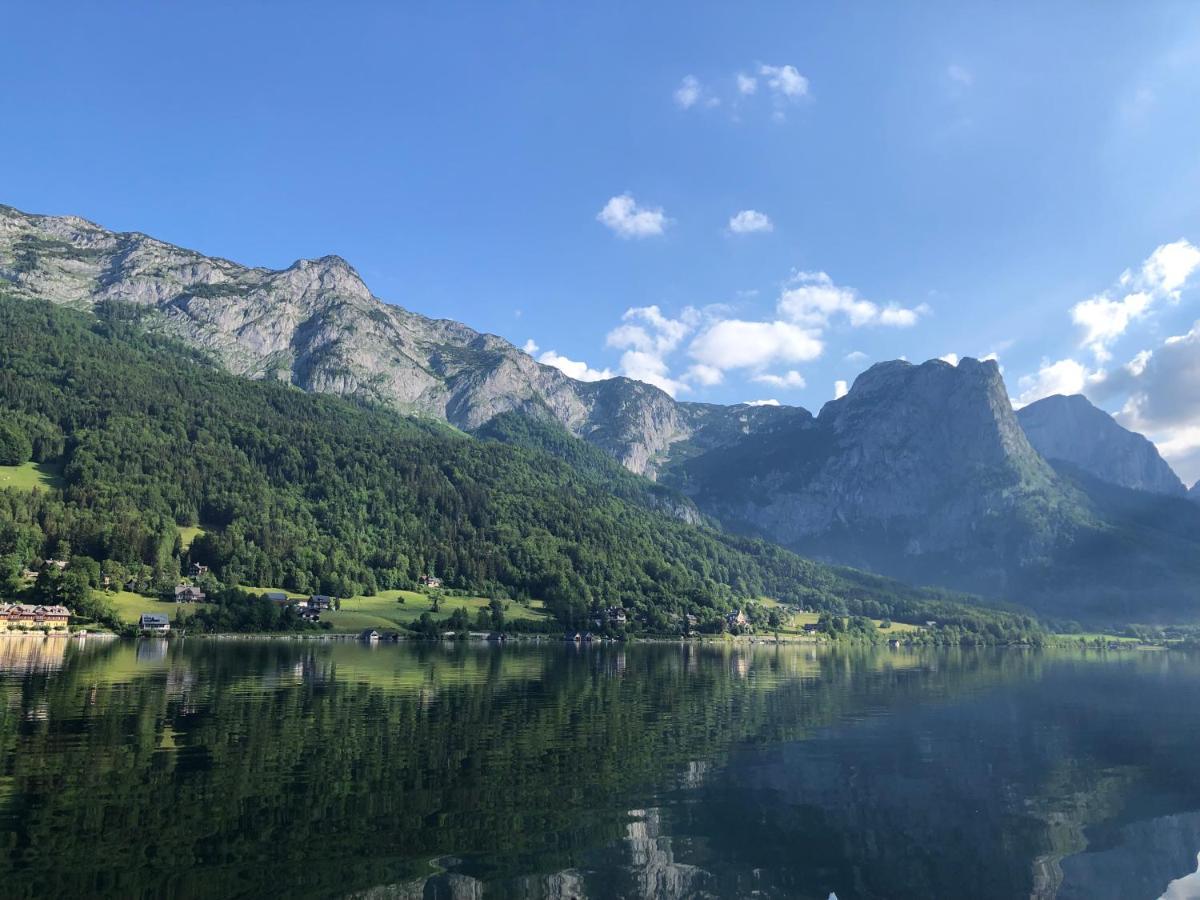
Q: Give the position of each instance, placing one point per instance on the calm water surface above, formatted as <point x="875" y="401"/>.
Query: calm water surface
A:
<point x="298" y="769"/>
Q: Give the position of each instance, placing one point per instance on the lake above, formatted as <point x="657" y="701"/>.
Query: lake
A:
<point x="239" y="768"/>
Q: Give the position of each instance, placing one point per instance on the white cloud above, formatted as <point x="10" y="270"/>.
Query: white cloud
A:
<point x="791" y="379"/>
<point x="688" y="93"/>
<point x="748" y="221"/>
<point x="960" y="75"/>
<point x="855" y="356"/>
<point x="761" y="403"/>
<point x="628" y="220"/>
<point x="707" y="376"/>
<point x="578" y="370"/>
<point x="647" y="337"/>
<point x="840" y="389"/>
<point x="951" y="358"/>
<point x="816" y="299"/>
<point x="652" y="369"/>
<point x="1106" y="317"/>
<point x="530" y="347"/>
<point x="736" y="344"/>
<point x="746" y="84"/>
<point x="1066" y="376"/>
<point x="785" y="81"/>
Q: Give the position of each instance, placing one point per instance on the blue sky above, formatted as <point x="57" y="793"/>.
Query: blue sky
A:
<point x="935" y="178"/>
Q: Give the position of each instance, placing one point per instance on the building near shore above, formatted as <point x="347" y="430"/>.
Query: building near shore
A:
<point x="25" y="617"/>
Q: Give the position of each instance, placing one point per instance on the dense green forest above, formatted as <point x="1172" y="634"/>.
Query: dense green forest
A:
<point x="318" y="493"/>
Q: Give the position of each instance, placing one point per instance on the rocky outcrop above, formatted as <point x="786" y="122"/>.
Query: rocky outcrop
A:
<point x="1071" y="429"/>
<point x="317" y="325"/>
<point x="919" y="469"/>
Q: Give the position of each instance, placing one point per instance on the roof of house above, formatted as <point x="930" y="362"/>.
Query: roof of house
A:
<point x="154" y="619"/>
<point x="276" y="595"/>
<point x="26" y="609"/>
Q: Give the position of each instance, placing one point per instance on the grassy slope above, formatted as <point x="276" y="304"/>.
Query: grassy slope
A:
<point x="385" y="611"/>
<point x="29" y="476"/>
<point x="129" y="605"/>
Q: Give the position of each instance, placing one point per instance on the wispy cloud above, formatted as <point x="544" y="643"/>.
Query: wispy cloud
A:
<point x="1104" y="318"/>
<point x="792" y="379"/>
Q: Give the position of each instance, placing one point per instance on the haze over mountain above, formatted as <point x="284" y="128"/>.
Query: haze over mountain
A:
<point x="1073" y="430"/>
<point x="922" y="472"/>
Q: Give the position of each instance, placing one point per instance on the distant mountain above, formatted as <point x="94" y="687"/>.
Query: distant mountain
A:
<point x="921" y="470"/>
<point x="1071" y="429"/>
<point x="315" y="324"/>
<point x="1194" y="493"/>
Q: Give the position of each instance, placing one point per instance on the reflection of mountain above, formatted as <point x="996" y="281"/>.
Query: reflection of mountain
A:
<point x="312" y="769"/>
<point x="1048" y="788"/>
<point x="1141" y="860"/>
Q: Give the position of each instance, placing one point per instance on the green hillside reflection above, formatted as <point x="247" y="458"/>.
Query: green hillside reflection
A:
<point x="241" y="768"/>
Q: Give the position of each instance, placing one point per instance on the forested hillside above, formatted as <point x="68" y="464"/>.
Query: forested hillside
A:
<point x="313" y="492"/>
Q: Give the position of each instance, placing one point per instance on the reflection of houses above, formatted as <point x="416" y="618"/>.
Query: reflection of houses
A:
<point x="31" y="653"/>
<point x="15" y="616"/>
<point x="154" y="623"/>
<point x="187" y="593"/>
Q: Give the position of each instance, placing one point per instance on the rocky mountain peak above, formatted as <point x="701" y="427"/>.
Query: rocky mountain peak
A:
<point x="317" y="325"/>
<point x="1071" y="429"/>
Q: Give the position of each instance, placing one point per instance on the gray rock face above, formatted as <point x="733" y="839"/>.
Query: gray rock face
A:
<point x="315" y="324"/>
<point x="1073" y="430"/>
<point x="1194" y="493"/>
<point x="921" y="471"/>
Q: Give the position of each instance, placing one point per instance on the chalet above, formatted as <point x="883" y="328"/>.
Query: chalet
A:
<point x="59" y="564"/>
<point x="186" y="593"/>
<point x="29" y="574"/>
<point x="369" y="636"/>
<point x="736" y="618"/>
<point x="24" y="615"/>
<point x="617" y="616"/>
<point x="277" y="597"/>
<point x="198" y="570"/>
<point x="320" y="602"/>
<point x="811" y="627"/>
<point x="154" y="623"/>
<point x="430" y="581"/>
<point x="574" y="636"/>
<point x="310" y="615"/>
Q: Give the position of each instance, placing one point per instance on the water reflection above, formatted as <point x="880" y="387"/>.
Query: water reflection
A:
<point x="243" y="768"/>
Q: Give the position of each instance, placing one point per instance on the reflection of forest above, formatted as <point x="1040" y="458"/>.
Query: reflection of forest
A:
<point x="244" y="768"/>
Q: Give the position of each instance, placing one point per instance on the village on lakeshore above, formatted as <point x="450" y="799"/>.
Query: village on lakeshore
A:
<point x="93" y="599"/>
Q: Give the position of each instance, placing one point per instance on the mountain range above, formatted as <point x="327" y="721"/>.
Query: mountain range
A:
<point x="923" y="472"/>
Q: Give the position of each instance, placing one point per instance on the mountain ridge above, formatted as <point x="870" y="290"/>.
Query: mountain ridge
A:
<point x="1072" y="429"/>
<point x="317" y="325"/>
